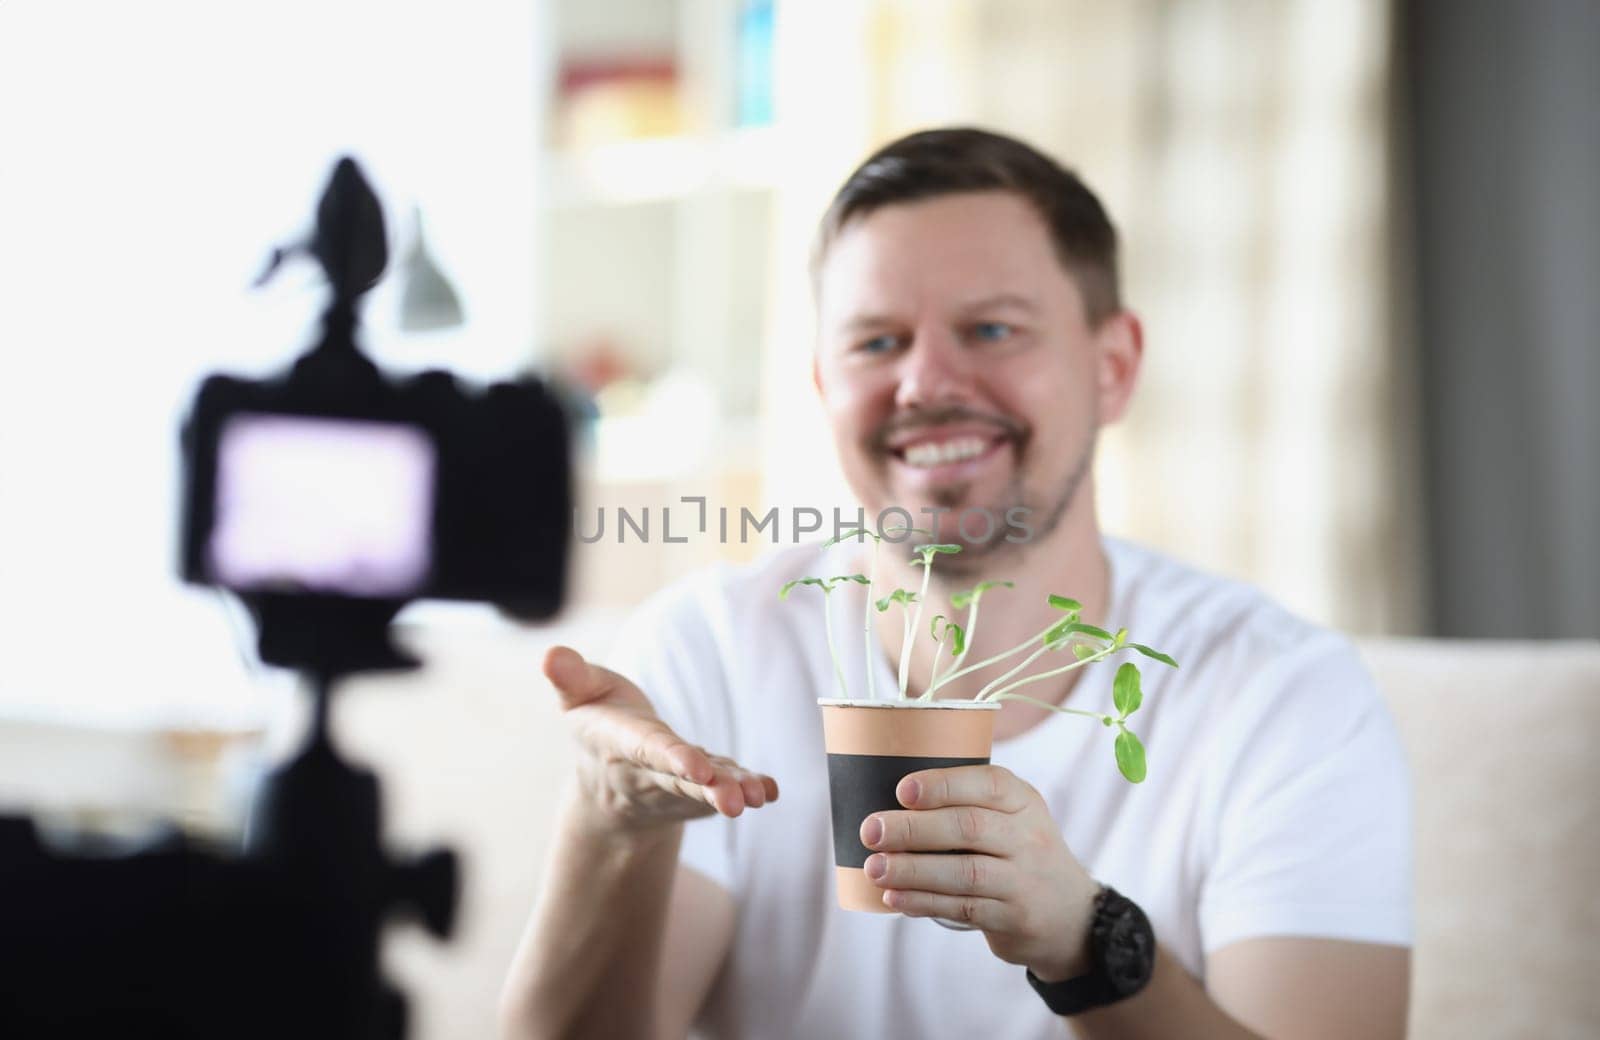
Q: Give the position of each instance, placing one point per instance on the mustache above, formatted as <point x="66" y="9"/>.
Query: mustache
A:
<point x="941" y="415"/>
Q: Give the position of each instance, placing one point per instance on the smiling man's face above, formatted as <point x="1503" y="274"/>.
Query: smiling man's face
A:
<point x="958" y="366"/>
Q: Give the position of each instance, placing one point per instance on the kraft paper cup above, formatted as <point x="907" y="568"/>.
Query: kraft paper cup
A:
<point x="872" y="746"/>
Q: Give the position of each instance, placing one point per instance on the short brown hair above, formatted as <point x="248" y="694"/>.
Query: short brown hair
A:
<point x="963" y="159"/>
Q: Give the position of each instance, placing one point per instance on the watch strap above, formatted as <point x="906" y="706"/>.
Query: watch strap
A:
<point x="1075" y="995"/>
<point x="1122" y="948"/>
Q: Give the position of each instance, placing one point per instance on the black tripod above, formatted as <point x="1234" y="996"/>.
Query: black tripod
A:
<point x="281" y="939"/>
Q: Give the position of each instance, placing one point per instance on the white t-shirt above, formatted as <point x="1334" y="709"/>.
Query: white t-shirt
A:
<point x="1277" y="800"/>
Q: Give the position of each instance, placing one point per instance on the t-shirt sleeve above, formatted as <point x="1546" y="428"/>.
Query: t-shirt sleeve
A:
<point x="1313" y="834"/>
<point x="668" y="649"/>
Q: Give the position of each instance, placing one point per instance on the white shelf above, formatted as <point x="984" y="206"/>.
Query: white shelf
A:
<point x="661" y="169"/>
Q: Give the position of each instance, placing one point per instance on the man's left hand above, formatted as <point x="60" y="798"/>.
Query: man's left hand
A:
<point x="1012" y="875"/>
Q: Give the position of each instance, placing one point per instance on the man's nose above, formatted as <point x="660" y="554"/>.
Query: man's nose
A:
<point x="934" y="370"/>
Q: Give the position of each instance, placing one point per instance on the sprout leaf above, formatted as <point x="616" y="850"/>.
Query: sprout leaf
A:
<point x="856" y="531"/>
<point x="900" y="596"/>
<point x="1090" y="630"/>
<point x="1152" y="653"/>
<point x="1130" y="755"/>
<point x="926" y="553"/>
<point x="1125" y="692"/>
<point x="970" y="596"/>
<point x="825" y="584"/>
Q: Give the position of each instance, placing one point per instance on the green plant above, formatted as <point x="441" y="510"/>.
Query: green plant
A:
<point x="1086" y="644"/>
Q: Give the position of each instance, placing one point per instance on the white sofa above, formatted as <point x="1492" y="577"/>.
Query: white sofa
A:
<point x="1504" y="742"/>
<point x="1502" y="739"/>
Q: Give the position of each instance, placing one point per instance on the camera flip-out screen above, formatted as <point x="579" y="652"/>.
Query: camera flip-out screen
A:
<point x="319" y="505"/>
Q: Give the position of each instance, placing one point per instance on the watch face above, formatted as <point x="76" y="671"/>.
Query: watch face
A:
<point x="1130" y="949"/>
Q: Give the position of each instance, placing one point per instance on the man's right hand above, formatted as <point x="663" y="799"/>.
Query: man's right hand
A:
<point x="634" y="773"/>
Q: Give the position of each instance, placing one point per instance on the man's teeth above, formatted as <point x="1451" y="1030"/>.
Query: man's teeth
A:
<point x="937" y="453"/>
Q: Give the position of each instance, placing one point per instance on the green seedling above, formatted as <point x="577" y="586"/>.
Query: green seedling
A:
<point x="827" y="585"/>
<point x="1085" y="643"/>
<point x="859" y="531"/>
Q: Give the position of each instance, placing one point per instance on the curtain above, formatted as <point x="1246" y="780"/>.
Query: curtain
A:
<point x="1504" y="136"/>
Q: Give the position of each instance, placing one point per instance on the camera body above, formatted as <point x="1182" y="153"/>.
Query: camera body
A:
<point x="339" y="482"/>
<point x="330" y="496"/>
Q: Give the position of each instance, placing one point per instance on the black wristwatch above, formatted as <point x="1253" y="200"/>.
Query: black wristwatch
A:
<point x="1123" y="947"/>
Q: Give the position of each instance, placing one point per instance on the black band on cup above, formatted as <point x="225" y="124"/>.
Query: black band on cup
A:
<point x="860" y="785"/>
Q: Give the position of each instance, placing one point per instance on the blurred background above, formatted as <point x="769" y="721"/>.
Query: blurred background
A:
<point x="1364" y="237"/>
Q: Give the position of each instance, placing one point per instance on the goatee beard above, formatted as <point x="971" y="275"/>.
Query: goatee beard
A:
<point x="980" y="555"/>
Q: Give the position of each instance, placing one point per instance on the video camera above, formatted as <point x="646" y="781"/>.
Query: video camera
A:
<point x="335" y="493"/>
<point x="326" y="499"/>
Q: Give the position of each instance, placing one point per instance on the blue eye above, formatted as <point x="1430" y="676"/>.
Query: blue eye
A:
<point x="879" y="345"/>
<point x="991" y="331"/>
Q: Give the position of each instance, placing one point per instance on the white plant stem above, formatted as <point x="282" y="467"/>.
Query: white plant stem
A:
<point x="1097" y="716"/>
<point x="1000" y="680"/>
<point x="905" y="648"/>
<point x="966" y="648"/>
<point x="827" y="625"/>
<point x="972" y="627"/>
<point x="871" y="658"/>
<point x="986" y="662"/>
<point x="938" y="656"/>
<point x="914" y="625"/>
<point x="1006" y="690"/>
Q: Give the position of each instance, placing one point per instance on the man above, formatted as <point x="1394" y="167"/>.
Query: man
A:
<point x="971" y="343"/>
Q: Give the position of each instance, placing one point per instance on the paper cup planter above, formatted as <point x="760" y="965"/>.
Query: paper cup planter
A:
<point x="872" y="746"/>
